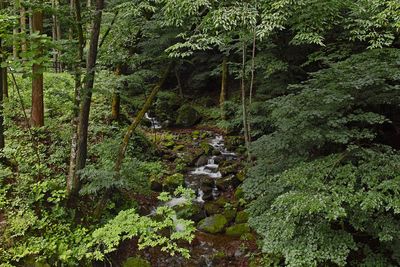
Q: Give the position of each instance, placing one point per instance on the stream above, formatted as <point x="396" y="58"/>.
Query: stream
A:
<point x="203" y="180"/>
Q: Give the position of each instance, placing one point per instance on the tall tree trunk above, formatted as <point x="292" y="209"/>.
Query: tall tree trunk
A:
<point x="23" y="27"/>
<point x="37" y="113"/>
<point x="116" y="99"/>
<point x="224" y="83"/>
<point x="178" y="79"/>
<point x="75" y="7"/>
<point x="253" y="69"/>
<point x="244" y="104"/>
<point x="15" y="33"/>
<point x="3" y="81"/>
<point x="131" y="129"/>
<point x="56" y="29"/>
<point x="86" y="97"/>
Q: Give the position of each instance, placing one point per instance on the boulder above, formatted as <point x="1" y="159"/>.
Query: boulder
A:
<point x="230" y="213"/>
<point x="237" y="230"/>
<point x="212" y="208"/>
<point x="227" y="183"/>
<point x="136" y="262"/>
<point x="214" y="224"/>
<point x="242" y="217"/>
<point x="203" y="160"/>
<point x="187" y="116"/>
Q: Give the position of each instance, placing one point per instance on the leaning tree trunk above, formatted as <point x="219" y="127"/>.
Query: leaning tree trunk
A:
<point x="116" y="99"/>
<point x="37" y="113"/>
<point x="86" y="98"/>
<point x="131" y="129"/>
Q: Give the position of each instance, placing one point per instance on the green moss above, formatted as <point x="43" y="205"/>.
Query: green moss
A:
<point x="238" y="229"/>
<point x="214" y="224"/>
<point x="136" y="262"/>
<point x="187" y="116"/>
<point x="212" y="208"/>
<point x="230" y="213"/>
<point x="239" y="193"/>
<point x="174" y="181"/>
<point x="242" y="217"/>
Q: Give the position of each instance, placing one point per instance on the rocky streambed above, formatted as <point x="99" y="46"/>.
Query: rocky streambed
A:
<point x="204" y="163"/>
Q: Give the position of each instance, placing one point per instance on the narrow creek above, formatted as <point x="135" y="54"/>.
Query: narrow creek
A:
<point x="203" y="179"/>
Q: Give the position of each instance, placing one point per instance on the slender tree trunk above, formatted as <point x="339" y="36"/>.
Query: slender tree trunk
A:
<point x="116" y="99"/>
<point x="86" y="97"/>
<point x="75" y="6"/>
<point x="131" y="129"/>
<point x="244" y="104"/>
<point x="178" y="79"/>
<point x="253" y="68"/>
<point x="3" y="81"/>
<point x="224" y="83"/>
<point x="37" y="113"/>
<point x="23" y="27"/>
<point x="15" y="33"/>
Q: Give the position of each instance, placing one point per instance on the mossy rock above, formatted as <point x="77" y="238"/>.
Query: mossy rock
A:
<point x="213" y="208"/>
<point x="238" y="230"/>
<point x="241" y="176"/>
<point x="214" y="224"/>
<point x="207" y="148"/>
<point x="173" y="181"/>
<point x="239" y="193"/>
<point x="230" y="213"/>
<point x="136" y="262"/>
<point x="187" y="116"/>
<point x="242" y="217"/>
<point x="227" y="183"/>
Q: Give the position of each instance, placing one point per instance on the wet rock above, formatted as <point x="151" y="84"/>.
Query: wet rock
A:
<point x="136" y="262"/>
<point x="207" y="148"/>
<point x="218" y="159"/>
<point x="203" y="160"/>
<point x="198" y="213"/>
<point x="237" y="230"/>
<point x="214" y="224"/>
<point x="227" y="184"/>
<point x="212" y="208"/>
<point x="228" y="169"/>
<point x="233" y="142"/>
<point x="242" y="217"/>
<point x="187" y="116"/>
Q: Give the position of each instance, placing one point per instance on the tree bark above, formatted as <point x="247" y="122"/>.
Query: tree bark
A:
<point x="37" y="113"/>
<point x="135" y="123"/>
<point x="116" y="99"/>
<point x="86" y="98"/>
<point x="178" y="79"/>
<point x="3" y="81"/>
<point x="23" y="27"/>
<point x="224" y="83"/>
<point x="75" y="7"/>
<point x="15" y="47"/>
<point x="244" y="104"/>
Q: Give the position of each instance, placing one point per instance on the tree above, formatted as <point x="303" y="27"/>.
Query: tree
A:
<point x="37" y="112"/>
<point x="86" y="98"/>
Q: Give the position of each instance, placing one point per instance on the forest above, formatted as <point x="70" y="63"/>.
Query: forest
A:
<point x="252" y="133"/>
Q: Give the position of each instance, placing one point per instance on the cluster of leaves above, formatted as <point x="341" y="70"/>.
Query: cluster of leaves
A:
<point x="324" y="190"/>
